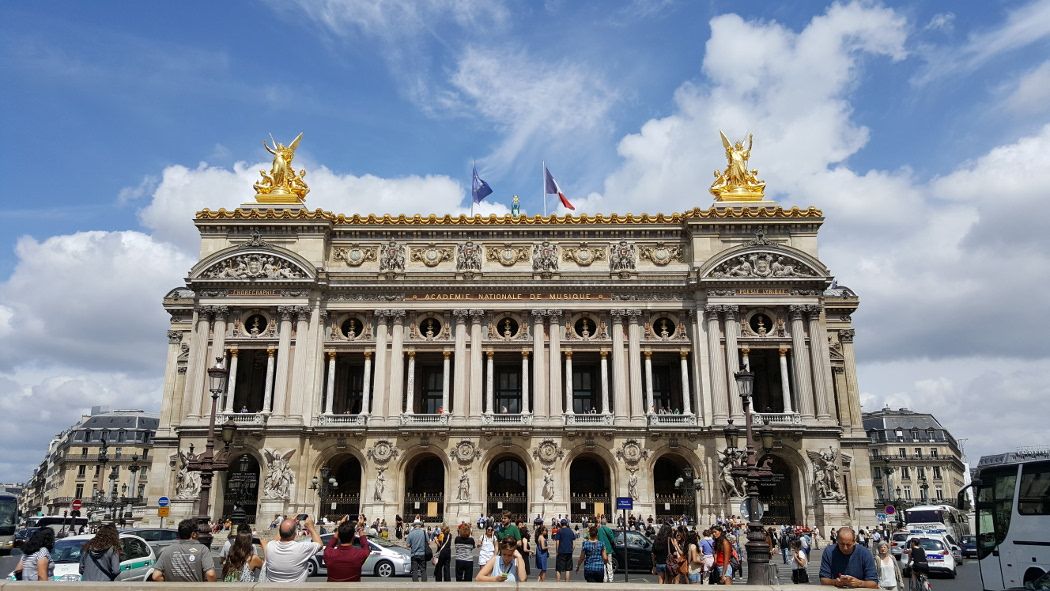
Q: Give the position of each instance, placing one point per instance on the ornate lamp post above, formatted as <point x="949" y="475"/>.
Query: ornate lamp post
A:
<point x="209" y="462"/>
<point x="748" y="468"/>
<point x="688" y="484"/>
<point x="324" y="487"/>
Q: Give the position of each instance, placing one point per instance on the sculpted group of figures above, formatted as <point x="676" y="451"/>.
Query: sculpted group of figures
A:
<point x="826" y="474"/>
<point x="277" y="485"/>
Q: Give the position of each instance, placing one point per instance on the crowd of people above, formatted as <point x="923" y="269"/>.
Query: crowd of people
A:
<point x="507" y="551"/>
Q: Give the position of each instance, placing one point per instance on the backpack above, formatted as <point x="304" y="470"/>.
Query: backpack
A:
<point x="734" y="559"/>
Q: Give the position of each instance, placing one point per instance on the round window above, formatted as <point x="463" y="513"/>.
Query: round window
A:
<point x="663" y="327"/>
<point x="585" y="327"/>
<point x="760" y="323"/>
<point x="351" y="328"/>
<point x="507" y="327"/>
<point x="256" y="324"/>
<point x="430" y="328"/>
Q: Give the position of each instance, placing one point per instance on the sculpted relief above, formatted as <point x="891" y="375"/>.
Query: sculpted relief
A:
<point x="762" y="265"/>
<point x="253" y="266"/>
<point x="279" y="475"/>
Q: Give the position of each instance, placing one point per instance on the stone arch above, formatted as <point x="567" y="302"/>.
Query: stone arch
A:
<point x="349" y="493"/>
<point x="421" y="488"/>
<point x="591" y="482"/>
<point x="801" y="481"/>
<point x="532" y="468"/>
<point x="241" y="485"/>
<point x="616" y="469"/>
<point x="811" y="267"/>
<point x="297" y="266"/>
<point x="666" y="466"/>
<point x="507" y="485"/>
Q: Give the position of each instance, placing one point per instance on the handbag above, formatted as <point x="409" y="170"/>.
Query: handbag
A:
<point x="799" y="576"/>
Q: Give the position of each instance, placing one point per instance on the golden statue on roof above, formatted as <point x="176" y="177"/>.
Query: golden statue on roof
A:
<point x="736" y="182"/>
<point x="282" y="184"/>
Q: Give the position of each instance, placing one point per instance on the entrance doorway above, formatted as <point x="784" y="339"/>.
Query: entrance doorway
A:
<point x="589" y="488"/>
<point x="779" y="493"/>
<point x="425" y="489"/>
<point x="508" y="488"/>
<point x="672" y="501"/>
<point x="345" y="497"/>
<point x="242" y="487"/>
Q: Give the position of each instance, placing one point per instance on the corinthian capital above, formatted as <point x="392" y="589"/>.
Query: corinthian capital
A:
<point x="846" y="335"/>
<point x="796" y="311"/>
<point x="617" y="315"/>
<point x="302" y="313"/>
<point x="397" y="314"/>
<point x="477" y="314"/>
<point x="285" y="312"/>
<point x="813" y="311"/>
<point x="633" y="313"/>
<point x="730" y="312"/>
<point x="174" y="337"/>
<point x="461" y="314"/>
<point x="555" y="315"/>
<point x="713" y="309"/>
<point x="221" y="312"/>
<point x="538" y="315"/>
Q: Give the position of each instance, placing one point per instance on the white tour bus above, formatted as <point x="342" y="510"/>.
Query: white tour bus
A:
<point x="1013" y="517"/>
<point x="938" y="519"/>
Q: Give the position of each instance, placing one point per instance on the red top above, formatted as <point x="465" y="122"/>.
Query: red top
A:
<point x="344" y="562"/>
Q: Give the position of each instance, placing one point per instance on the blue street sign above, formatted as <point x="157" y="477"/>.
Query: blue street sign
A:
<point x="624" y="503"/>
<point x="163" y="502"/>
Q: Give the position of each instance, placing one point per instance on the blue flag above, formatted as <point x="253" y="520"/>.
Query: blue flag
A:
<point x="479" y="188"/>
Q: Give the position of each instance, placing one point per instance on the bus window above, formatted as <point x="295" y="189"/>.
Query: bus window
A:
<point x="1034" y="498"/>
<point x="994" y="506"/>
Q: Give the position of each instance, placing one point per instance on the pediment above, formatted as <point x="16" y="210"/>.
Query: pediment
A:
<point x="253" y="263"/>
<point x="763" y="262"/>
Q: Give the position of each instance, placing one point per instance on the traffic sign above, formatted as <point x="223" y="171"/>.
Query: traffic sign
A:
<point x="163" y="511"/>
<point x="163" y="502"/>
<point x="890" y="510"/>
<point x="75" y="505"/>
<point x="624" y="503"/>
<point x="881" y="517"/>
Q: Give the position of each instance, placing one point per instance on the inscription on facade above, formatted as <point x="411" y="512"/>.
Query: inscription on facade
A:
<point x="508" y="296"/>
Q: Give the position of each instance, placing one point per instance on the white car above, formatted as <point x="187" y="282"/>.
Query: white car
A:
<point x="938" y="555"/>
<point x="138" y="558"/>
<point x="385" y="559"/>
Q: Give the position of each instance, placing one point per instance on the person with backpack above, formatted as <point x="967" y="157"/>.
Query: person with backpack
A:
<point x="605" y="536"/>
<point x="100" y="557"/>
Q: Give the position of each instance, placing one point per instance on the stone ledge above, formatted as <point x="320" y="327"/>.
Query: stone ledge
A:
<point x="367" y="585"/>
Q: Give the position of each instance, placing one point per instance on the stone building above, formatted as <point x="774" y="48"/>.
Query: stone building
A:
<point x="914" y="458"/>
<point x="450" y="366"/>
<point x="72" y="468"/>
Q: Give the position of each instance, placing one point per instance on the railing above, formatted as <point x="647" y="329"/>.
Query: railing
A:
<point x="507" y="419"/>
<point x="665" y="420"/>
<point x="779" y="418"/>
<point x="424" y="420"/>
<point x="244" y="418"/>
<point x="341" y="420"/>
<point x="588" y="419"/>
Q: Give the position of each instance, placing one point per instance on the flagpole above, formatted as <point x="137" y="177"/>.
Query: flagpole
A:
<point x="475" y="167"/>
<point x="543" y="177"/>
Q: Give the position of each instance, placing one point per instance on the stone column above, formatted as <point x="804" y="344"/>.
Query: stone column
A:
<point x="459" y="385"/>
<point x="733" y="362"/>
<point x="649" y="405"/>
<point x="397" y="364"/>
<point x="701" y="368"/>
<point x="231" y="385"/>
<point x="218" y="345"/>
<point x="605" y="381"/>
<point x="785" y="383"/>
<point x="554" y="335"/>
<point x="268" y="391"/>
<point x="490" y="390"/>
<point x="330" y="385"/>
<point x="619" y="383"/>
<point x="379" y="388"/>
<point x="410" y="384"/>
<point x="196" y="367"/>
<point x="821" y="369"/>
<point x="719" y="391"/>
<point x="284" y="348"/>
<point x="445" y="366"/>
<point x="525" y="381"/>
<point x="568" y="382"/>
<point x="687" y="403"/>
<point x="838" y="374"/>
<point x="634" y="363"/>
<point x="539" y="382"/>
<point x="301" y="369"/>
<point x="170" y="399"/>
<point x="474" y="403"/>
<point x="849" y="357"/>
<point x="800" y="363"/>
<point x="366" y="390"/>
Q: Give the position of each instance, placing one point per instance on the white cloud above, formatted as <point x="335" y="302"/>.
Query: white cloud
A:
<point x="942" y="21"/>
<point x="1032" y="93"/>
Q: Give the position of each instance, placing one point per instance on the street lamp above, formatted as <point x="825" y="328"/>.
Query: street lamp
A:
<point x="324" y="486"/>
<point x="758" y="572"/>
<point x="208" y="463"/>
<point x="688" y="484"/>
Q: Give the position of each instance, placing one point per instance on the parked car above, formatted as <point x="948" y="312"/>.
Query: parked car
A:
<point x="385" y="560"/>
<point x="639" y="552"/>
<point x="897" y="543"/>
<point x="137" y="558"/>
<point x="969" y="546"/>
<point x="22" y="535"/>
<point x="938" y="555"/>
<point x="157" y="538"/>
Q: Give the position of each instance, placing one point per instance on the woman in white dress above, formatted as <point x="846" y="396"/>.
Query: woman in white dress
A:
<point x="889" y="570"/>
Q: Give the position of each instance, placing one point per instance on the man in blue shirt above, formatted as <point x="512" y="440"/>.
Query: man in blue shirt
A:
<point x="848" y="564"/>
<point x="417" y="544"/>
<point x="563" y="566"/>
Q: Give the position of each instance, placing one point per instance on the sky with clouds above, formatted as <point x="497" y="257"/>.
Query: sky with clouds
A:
<point x="922" y="130"/>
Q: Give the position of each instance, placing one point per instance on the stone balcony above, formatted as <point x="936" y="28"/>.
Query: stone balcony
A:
<point x="343" y="421"/>
<point x="424" y="420"/>
<point x="507" y="419"/>
<point x="243" y="418"/>
<point x="672" y="420"/>
<point x="777" y="418"/>
<point x="588" y="419"/>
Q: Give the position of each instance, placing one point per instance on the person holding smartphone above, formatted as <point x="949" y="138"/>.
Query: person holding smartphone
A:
<point x="506" y="566"/>
<point x="286" y="559"/>
<point x="847" y="563"/>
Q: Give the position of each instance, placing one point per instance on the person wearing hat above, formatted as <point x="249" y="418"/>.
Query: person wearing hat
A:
<point x="417" y="543"/>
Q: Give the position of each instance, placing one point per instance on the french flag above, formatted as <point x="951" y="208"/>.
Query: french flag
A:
<point x="551" y="188"/>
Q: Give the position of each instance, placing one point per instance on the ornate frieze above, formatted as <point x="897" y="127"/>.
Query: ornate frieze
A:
<point x="661" y="254"/>
<point x="507" y="255"/>
<point x="382" y="452"/>
<point x="392" y="257"/>
<point x="762" y="265"/>
<point x="548" y="451"/>
<point x="253" y="266"/>
<point x="622" y="257"/>
<point x="431" y="255"/>
<point x="545" y="257"/>
<point x="583" y="255"/>
<point x="468" y="257"/>
<point x="355" y="255"/>
<point x="631" y="452"/>
<point x="465" y="452"/>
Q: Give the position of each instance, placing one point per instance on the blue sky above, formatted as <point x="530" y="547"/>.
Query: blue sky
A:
<point x="918" y="127"/>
